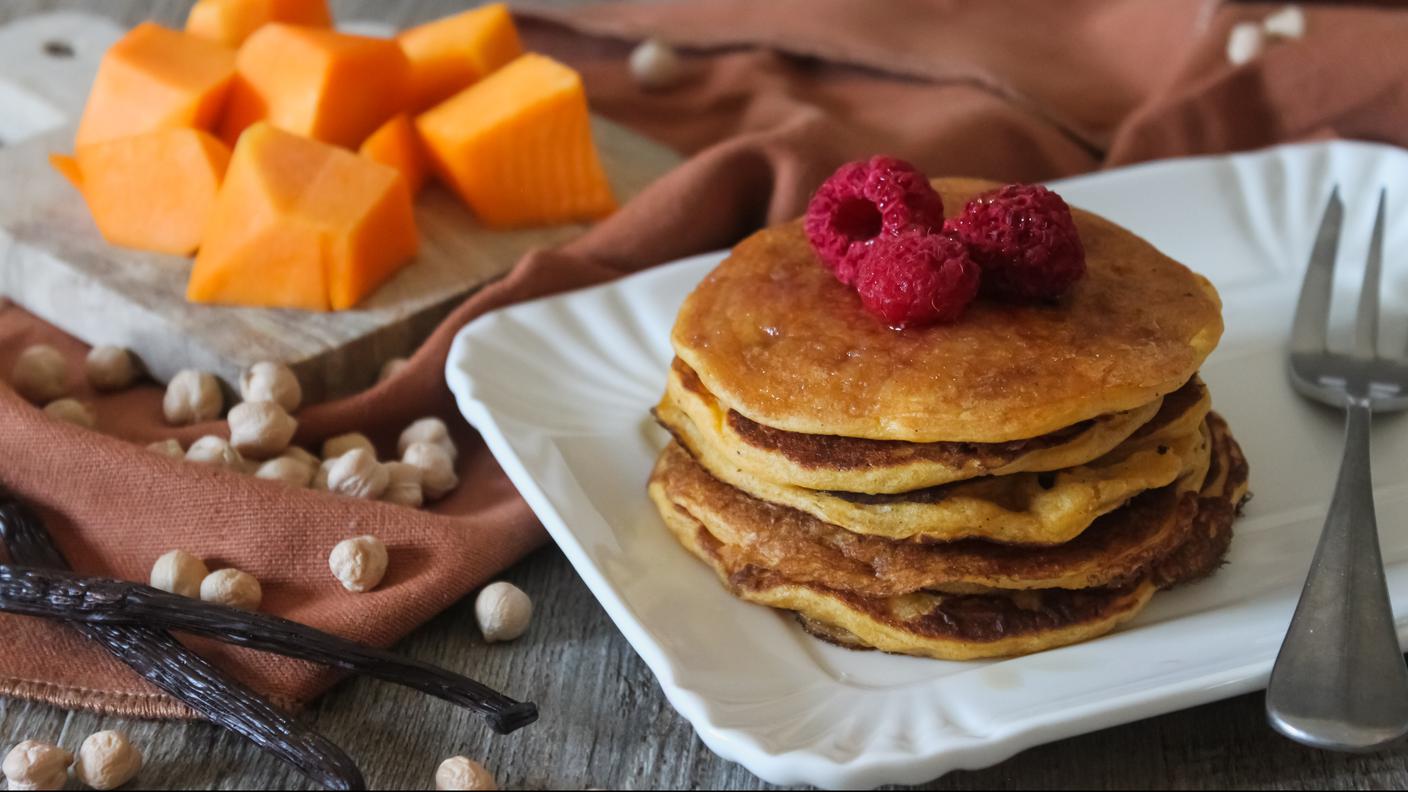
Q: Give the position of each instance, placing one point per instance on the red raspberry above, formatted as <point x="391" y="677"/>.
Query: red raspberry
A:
<point x="864" y="200"/>
<point x="917" y="278"/>
<point x="1025" y="240"/>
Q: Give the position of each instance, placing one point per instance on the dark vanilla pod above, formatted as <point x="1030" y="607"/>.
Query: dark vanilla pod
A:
<point x="162" y="660"/>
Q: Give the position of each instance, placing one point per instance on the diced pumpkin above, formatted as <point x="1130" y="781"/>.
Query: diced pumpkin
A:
<point x="67" y="167"/>
<point x="302" y="224"/>
<point x="153" y="191"/>
<point x="517" y="146"/>
<point x="448" y="54"/>
<point x="230" y="22"/>
<point x="397" y="144"/>
<point x="321" y="84"/>
<point x="156" y="78"/>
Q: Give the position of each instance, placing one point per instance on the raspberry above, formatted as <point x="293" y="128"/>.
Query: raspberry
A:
<point x="863" y="201"/>
<point x="1024" y="239"/>
<point x="917" y="278"/>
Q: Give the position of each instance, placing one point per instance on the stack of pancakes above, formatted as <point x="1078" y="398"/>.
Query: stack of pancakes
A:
<point x="1024" y="478"/>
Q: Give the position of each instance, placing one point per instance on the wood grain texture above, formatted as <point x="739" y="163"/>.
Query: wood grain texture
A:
<point x="54" y="262"/>
<point x="605" y="723"/>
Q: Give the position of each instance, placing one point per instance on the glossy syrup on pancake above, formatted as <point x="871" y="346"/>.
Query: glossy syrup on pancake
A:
<point x="773" y="335"/>
<point x="971" y="626"/>
<point x="832" y="462"/>
<point x="1024" y="508"/>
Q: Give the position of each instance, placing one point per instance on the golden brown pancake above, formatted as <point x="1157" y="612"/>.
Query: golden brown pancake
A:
<point x="1224" y="492"/>
<point x="831" y="462"/>
<point x="1118" y="547"/>
<point x="948" y="627"/>
<point x="774" y="336"/>
<point x="970" y="626"/>
<point x="1024" y="508"/>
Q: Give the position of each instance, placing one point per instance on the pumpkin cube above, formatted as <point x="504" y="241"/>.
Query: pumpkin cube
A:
<point x="321" y="84"/>
<point x="67" y="167"/>
<point x="448" y="54"/>
<point x="517" y="146"/>
<point x="153" y="191"/>
<point x="156" y="78"/>
<point x="397" y="144"/>
<point x="302" y="224"/>
<point x="230" y="22"/>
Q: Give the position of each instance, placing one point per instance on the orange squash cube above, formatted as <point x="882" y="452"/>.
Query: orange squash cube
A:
<point x="153" y="191"/>
<point x="397" y="144"/>
<point x="448" y="54"/>
<point x="156" y="78"/>
<point x="230" y="22"/>
<point x="67" y="167"/>
<point x="321" y="84"/>
<point x="302" y="224"/>
<point x="517" y="146"/>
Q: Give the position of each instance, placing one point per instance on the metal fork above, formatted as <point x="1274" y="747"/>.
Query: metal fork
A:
<point x="1340" y="681"/>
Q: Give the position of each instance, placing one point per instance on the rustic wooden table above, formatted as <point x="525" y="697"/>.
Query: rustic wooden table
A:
<point x="605" y="723"/>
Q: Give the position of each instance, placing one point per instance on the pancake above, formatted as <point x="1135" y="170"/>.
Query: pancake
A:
<point x="972" y="626"/>
<point x="1024" y="508"/>
<point x="1224" y="492"/>
<point x="1118" y="547"/>
<point x="948" y="627"/>
<point x="774" y="336"/>
<point x="831" y="462"/>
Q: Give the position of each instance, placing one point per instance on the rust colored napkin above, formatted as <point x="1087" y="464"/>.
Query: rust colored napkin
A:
<point x="776" y="95"/>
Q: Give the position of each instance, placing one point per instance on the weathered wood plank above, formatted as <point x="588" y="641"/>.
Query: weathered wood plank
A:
<point x="54" y="262"/>
<point x="605" y="723"/>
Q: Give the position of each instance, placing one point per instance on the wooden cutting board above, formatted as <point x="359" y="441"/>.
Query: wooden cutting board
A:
<point x="54" y="263"/>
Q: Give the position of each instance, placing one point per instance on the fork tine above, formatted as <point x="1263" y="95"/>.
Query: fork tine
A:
<point x="1312" y="321"/>
<point x="1366" y="330"/>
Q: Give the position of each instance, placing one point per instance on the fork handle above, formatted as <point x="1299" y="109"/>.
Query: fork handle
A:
<point x="1340" y="681"/>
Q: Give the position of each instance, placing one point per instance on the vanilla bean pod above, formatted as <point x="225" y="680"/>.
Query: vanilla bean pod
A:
<point x="62" y="595"/>
<point x="185" y="675"/>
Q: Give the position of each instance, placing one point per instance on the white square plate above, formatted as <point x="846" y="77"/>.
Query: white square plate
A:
<point x="561" y="388"/>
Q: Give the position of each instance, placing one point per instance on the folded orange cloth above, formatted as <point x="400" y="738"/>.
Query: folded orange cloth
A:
<point x="776" y="95"/>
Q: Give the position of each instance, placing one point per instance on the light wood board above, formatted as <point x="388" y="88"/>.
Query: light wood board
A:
<point x="54" y="263"/>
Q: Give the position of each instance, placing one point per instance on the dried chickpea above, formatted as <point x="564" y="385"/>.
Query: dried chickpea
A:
<point x="40" y="374"/>
<point x="288" y="470"/>
<point x="503" y="612"/>
<point x="461" y="772"/>
<point x="1288" y="23"/>
<point x="337" y="446"/>
<point x="232" y="587"/>
<point x="107" y="760"/>
<point x="111" y="368"/>
<point x="36" y="765"/>
<point x="260" y="429"/>
<point x="655" y="65"/>
<point x="273" y="382"/>
<point x="438" y="476"/>
<point x="358" y="474"/>
<point x="427" y="430"/>
<point x="191" y="397"/>
<point x="403" y="485"/>
<point x="359" y="563"/>
<point x="320" y="478"/>
<point x="72" y="411"/>
<point x="168" y="447"/>
<point x="215" y="450"/>
<point x="302" y="456"/>
<point x="390" y="368"/>
<point x="180" y="573"/>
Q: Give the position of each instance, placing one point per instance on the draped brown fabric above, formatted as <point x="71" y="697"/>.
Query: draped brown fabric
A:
<point x="776" y="95"/>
